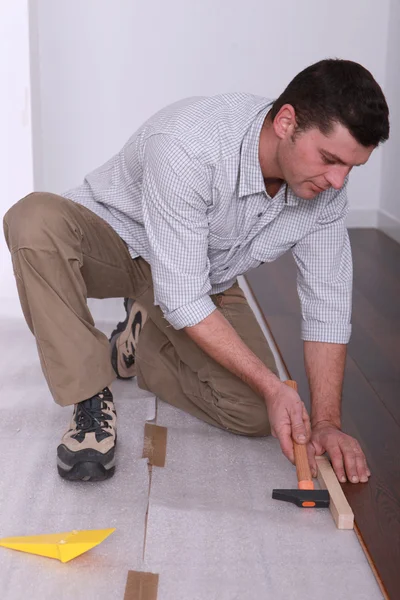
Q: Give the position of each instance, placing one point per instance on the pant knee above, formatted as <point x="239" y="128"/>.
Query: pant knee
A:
<point x="29" y="220"/>
<point x="245" y="418"/>
<point x="256" y="422"/>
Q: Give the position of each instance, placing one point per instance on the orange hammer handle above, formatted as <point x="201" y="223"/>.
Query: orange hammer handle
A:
<point x="302" y="467"/>
<point x="300" y="458"/>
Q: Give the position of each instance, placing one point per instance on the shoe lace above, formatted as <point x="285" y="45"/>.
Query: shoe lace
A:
<point x="91" y="418"/>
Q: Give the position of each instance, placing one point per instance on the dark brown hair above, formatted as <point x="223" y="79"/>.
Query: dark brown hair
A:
<point x="338" y="91"/>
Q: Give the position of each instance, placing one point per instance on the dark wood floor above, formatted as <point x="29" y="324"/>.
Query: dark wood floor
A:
<point x="371" y="396"/>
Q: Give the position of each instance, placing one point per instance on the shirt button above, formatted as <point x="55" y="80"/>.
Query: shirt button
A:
<point x="260" y="214"/>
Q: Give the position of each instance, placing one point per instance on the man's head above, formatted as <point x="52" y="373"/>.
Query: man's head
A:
<point x="330" y="118"/>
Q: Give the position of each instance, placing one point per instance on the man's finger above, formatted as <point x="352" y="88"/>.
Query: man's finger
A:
<point x="337" y="463"/>
<point x="299" y="430"/>
<point x="361" y="465"/>
<point x="351" y="465"/>
<point x="307" y="423"/>
<point x="311" y="460"/>
<point x="286" y="442"/>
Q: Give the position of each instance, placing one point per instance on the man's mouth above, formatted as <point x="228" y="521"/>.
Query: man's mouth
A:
<point x="318" y="188"/>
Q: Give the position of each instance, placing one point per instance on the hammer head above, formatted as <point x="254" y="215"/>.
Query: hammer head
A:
<point x="304" y="498"/>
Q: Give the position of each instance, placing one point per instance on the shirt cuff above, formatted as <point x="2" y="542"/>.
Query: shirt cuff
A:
<point x="191" y="314"/>
<point x="334" y="333"/>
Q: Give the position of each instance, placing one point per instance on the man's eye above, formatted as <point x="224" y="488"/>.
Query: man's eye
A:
<point x="327" y="161"/>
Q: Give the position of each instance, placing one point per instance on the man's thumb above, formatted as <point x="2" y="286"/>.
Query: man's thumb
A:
<point x="299" y="432"/>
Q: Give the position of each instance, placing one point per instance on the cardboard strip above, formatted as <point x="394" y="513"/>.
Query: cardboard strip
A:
<point x="141" y="586"/>
<point x="155" y="444"/>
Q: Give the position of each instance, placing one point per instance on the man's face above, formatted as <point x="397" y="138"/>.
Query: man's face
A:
<point x="312" y="162"/>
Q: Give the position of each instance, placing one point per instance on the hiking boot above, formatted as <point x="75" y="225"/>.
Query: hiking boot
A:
<point x="124" y="339"/>
<point x="86" y="452"/>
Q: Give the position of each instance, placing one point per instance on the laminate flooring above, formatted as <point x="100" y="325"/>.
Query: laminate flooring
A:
<point x="371" y="395"/>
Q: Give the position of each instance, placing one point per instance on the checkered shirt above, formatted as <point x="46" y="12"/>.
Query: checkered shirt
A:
<point x="186" y="193"/>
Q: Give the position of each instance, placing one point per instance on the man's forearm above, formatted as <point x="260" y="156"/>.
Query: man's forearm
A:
<point x="325" y="370"/>
<point x="287" y="415"/>
<point x="219" y="340"/>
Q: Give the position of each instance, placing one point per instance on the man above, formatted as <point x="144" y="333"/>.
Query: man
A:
<point x="205" y="190"/>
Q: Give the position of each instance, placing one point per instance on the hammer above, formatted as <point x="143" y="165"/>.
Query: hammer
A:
<point x="305" y="496"/>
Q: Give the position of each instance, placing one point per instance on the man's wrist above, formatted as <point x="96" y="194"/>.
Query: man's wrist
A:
<point x="271" y="388"/>
<point x="331" y="422"/>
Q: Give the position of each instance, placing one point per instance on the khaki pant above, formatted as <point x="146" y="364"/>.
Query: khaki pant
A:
<point x="62" y="254"/>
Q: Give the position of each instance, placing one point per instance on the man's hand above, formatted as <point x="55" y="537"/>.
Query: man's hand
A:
<point x="325" y="369"/>
<point x="288" y="418"/>
<point x="345" y="453"/>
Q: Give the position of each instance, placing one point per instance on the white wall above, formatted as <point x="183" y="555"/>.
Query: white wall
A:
<point x="389" y="218"/>
<point x="16" y="168"/>
<point x="106" y="65"/>
<point x="100" y="67"/>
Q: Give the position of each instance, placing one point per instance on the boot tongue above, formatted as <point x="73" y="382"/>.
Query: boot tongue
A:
<point x="94" y="403"/>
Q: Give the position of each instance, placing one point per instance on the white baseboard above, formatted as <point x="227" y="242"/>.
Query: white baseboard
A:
<point x="379" y="219"/>
<point x="389" y="224"/>
<point x="362" y="217"/>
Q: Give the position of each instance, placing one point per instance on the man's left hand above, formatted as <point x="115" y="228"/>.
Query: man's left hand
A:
<point x="348" y="460"/>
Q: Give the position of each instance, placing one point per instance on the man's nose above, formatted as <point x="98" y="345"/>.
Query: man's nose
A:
<point x="336" y="176"/>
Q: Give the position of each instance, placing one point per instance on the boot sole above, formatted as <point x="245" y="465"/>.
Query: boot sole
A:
<point x="86" y="471"/>
<point x="114" y="337"/>
<point x="114" y="359"/>
<point x="121" y="335"/>
<point x="85" y="465"/>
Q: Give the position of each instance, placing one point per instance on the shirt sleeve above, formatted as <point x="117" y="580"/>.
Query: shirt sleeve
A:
<point x="325" y="275"/>
<point x="175" y="201"/>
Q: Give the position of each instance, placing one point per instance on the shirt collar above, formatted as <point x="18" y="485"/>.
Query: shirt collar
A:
<point x="251" y="180"/>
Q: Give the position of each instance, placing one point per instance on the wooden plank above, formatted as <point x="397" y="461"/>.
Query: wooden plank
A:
<point x="379" y="247"/>
<point x="269" y="286"/>
<point x="374" y="279"/>
<point x="339" y="507"/>
<point x="374" y="330"/>
<point x="389" y="393"/>
<point x="371" y="563"/>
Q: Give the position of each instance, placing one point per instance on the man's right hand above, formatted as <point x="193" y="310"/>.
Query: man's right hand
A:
<point x="288" y="418"/>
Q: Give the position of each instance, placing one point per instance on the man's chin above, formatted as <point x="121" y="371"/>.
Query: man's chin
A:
<point x="306" y="194"/>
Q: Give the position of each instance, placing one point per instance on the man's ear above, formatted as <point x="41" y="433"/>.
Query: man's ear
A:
<point x="285" y="122"/>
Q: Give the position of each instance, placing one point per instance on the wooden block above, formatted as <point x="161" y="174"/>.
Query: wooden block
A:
<point x="141" y="586"/>
<point x="155" y="444"/>
<point x="340" y="508"/>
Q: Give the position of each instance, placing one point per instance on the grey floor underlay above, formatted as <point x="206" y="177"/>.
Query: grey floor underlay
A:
<point x="213" y="531"/>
